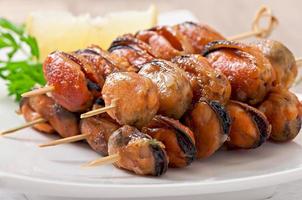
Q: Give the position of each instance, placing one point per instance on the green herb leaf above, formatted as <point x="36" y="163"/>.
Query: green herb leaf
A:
<point x="22" y="75"/>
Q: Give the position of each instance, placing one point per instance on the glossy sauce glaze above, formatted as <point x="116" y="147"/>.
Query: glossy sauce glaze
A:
<point x="250" y="73"/>
<point x="205" y="81"/>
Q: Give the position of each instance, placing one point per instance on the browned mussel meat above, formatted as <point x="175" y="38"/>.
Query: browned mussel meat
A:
<point x="64" y="122"/>
<point x="103" y="62"/>
<point x="205" y="81"/>
<point x="98" y="128"/>
<point x="178" y="140"/>
<point x="67" y="74"/>
<point x="210" y="123"/>
<point x="249" y="128"/>
<point x="136" y="98"/>
<point x="250" y="73"/>
<point x="30" y="114"/>
<point x="162" y="40"/>
<point x="197" y="35"/>
<point x="283" y="110"/>
<point x="138" y="152"/>
<point x="282" y="60"/>
<point x="175" y="92"/>
<point x="135" y="51"/>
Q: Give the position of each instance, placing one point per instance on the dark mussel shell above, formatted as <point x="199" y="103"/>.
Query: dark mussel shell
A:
<point x="283" y="110"/>
<point x="138" y="152"/>
<point x="250" y="127"/>
<point x="210" y="124"/>
<point x="177" y="138"/>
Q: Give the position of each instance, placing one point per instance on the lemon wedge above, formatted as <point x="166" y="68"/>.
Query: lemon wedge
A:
<point x="66" y="32"/>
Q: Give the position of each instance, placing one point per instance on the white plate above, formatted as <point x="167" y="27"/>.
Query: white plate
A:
<point x="56" y="171"/>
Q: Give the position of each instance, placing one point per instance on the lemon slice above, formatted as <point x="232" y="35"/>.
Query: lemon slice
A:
<point x="66" y="32"/>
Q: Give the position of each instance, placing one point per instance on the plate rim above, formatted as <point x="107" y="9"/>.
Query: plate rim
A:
<point x="25" y="183"/>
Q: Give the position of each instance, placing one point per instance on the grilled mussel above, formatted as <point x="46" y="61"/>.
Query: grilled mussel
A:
<point x="30" y="114"/>
<point x="135" y="51"/>
<point x="282" y="60"/>
<point x="249" y="128"/>
<point x="175" y="92"/>
<point x="210" y="124"/>
<point x="205" y="81"/>
<point x="283" y="110"/>
<point x="99" y="130"/>
<point x="197" y="35"/>
<point x="162" y="40"/>
<point x="177" y="138"/>
<point x="138" y="152"/>
<point x="250" y="73"/>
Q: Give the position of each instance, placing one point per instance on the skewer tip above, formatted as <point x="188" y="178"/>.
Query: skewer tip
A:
<point x="38" y="91"/>
<point x="99" y="111"/>
<point x="71" y="139"/>
<point x="102" y="161"/>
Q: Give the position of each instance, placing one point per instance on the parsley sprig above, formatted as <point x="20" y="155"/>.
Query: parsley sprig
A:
<point x="19" y="59"/>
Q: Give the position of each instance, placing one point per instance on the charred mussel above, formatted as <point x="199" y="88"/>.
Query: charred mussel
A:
<point x="138" y="152"/>
<point x="283" y="110"/>
<point x="249" y="128"/>
<point x="177" y="138"/>
<point x="250" y="73"/>
<point x="136" y="52"/>
<point x="282" y="60"/>
<point x="175" y="92"/>
<point x="30" y="114"/>
<point x="205" y="81"/>
<point x="98" y="130"/>
<point x="210" y="124"/>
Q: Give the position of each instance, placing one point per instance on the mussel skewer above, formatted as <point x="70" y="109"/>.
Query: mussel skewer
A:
<point x="130" y="149"/>
<point x="249" y="128"/>
<point x="158" y="42"/>
<point x="210" y="124"/>
<point x="284" y="111"/>
<point x="178" y="139"/>
<point x="43" y="114"/>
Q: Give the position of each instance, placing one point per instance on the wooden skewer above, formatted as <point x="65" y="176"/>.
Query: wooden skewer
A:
<point x="257" y="30"/>
<point x="29" y="124"/>
<point x="103" y="161"/>
<point x="66" y="140"/>
<point x="39" y="91"/>
<point x="299" y="61"/>
<point x="100" y="110"/>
